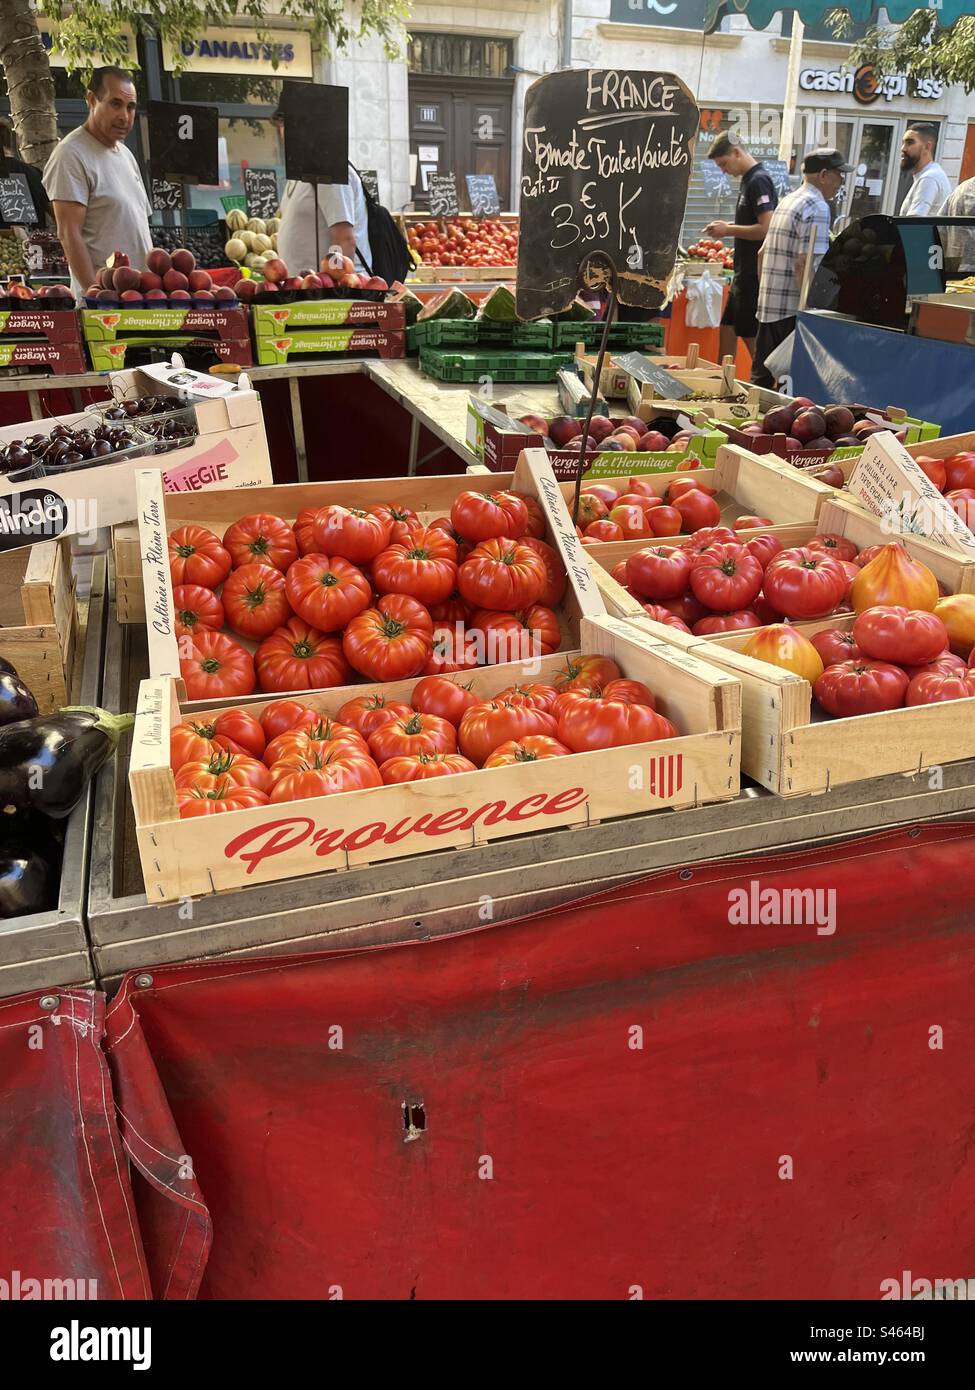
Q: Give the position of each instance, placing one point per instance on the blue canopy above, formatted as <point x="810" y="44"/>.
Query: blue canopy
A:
<point x="761" y="12"/>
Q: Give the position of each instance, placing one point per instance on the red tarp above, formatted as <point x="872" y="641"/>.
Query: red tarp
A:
<point x="785" y="1130"/>
<point x="66" y="1208"/>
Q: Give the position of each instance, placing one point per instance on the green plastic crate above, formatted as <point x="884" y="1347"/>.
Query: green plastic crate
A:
<point x="499" y="366"/>
<point x="437" y="333"/>
<point x="621" y="335"/>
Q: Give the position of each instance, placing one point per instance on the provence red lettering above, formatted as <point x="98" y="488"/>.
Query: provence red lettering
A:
<point x="409" y="827"/>
<point x="566" y="801"/>
<point x="492" y="811"/>
<point x="446" y="821"/>
<point x="534" y="803"/>
<point x="365" y="835"/>
<point x="270" y="838"/>
<point x="326" y="841"/>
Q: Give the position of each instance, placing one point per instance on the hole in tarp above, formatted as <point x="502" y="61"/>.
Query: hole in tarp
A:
<point x="414" y="1119"/>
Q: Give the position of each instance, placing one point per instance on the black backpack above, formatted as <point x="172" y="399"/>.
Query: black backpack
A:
<point x="390" y="256"/>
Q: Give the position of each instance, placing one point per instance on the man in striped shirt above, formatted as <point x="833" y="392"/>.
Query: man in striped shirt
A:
<point x="802" y="214"/>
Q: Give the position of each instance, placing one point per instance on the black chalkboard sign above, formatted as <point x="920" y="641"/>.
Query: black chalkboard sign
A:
<point x="316" y="132"/>
<point x="183" y="142"/>
<point x="717" y="184"/>
<point x="607" y="160"/>
<point x="778" y="170"/>
<point x="483" y="194"/>
<point x="443" y="196"/>
<point x="261" y="192"/>
<point x="643" y="369"/>
<point x="16" y="204"/>
<point x="370" y="182"/>
<point x="166" y="196"/>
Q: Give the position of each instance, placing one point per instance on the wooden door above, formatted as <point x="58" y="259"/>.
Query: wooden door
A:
<point x="463" y="127"/>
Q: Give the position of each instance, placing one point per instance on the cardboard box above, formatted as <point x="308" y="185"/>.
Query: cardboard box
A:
<point x="110" y="356"/>
<point x="106" y="326"/>
<point x="62" y="358"/>
<point x="274" y="320"/>
<point x="276" y="350"/>
<point x="53" y="325"/>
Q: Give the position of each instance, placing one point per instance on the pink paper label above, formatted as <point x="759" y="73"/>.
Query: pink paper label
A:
<point x="203" y="471"/>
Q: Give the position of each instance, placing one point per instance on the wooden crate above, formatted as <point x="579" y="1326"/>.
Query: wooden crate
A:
<point x="792" y="748"/>
<point x="130" y="605"/>
<point x="191" y="857"/>
<point x="39" y="618"/>
<point x="942" y="448"/>
<point x="161" y="512"/>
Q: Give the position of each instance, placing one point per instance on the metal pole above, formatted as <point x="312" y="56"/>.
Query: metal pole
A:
<point x="566" y="55"/>
<point x="791" y="89"/>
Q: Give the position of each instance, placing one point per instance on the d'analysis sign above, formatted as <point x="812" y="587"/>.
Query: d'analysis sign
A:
<point x="866" y="86"/>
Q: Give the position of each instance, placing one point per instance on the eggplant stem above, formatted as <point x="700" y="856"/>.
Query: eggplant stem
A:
<point x="114" y="725"/>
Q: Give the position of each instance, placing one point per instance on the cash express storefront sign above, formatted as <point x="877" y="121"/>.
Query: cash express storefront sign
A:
<point x="866" y="86"/>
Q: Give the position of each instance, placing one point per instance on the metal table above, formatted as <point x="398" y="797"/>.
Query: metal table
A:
<point x="51" y="948"/>
<point x="456" y="890"/>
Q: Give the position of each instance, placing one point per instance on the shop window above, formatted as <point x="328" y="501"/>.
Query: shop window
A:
<point x="459" y="55"/>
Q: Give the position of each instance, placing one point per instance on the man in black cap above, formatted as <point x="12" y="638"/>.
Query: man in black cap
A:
<point x="803" y="215"/>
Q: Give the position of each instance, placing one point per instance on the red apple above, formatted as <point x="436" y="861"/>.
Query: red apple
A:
<point x="376" y="282"/>
<point x="311" y="281"/>
<point x="183" y="260"/>
<point x="653" y="442"/>
<point x="562" y="429"/>
<point x="275" y="270"/>
<point x="293" y="282"/>
<point x="203" y="296"/>
<point x="246" y="289"/>
<point x="600" y="427"/>
<point x="223" y="294"/>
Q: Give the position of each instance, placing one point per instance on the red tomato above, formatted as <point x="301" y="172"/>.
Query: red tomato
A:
<point x="838" y="546"/>
<point x="726" y="622"/>
<point x="900" y="635"/>
<point x="536" y="517"/>
<point x="261" y="539"/>
<point x="255" y="601"/>
<point x="764" y="548"/>
<point x="300" y="657"/>
<point x="930" y="687"/>
<point x="871" y="553"/>
<point x="665" y="521"/>
<point x="195" y="607"/>
<point x="687" y="608"/>
<point x="591" y="724"/>
<point x="451" y="651"/>
<point x="367" y="712"/>
<point x="484" y="516"/>
<point x="860" y="687"/>
<point x="851" y="569"/>
<point x="632" y="520"/>
<point x="534" y="694"/>
<point x="725" y="578"/>
<point x="947" y="663"/>
<point x="420" y="733"/>
<point x="441" y="696"/>
<point x="305" y="530"/>
<point x="400" y="519"/>
<point x="217" y="667"/>
<point x="628" y="692"/>
<point x="697" y="510"/>
<point x="644" y="487"/>
<point x="280" y="715"/>
<point x="391" y="641"/>
<point x="519" y="636"/>
<point x="313" y="738"/>
<point x="960" y="471"/>
<point x="604" y="531"/>
<point x="749" y="523"/>
<point x="531" y="749"/>
<point x="804" y="583"/>
<point x="342" y="768"/>
<point x="233" y="730"/>
<point x="682" y="485"/>
<point x="188" y="745"/>
<point x="659" y="614"/>
<point x="196" y="556"/>
<point x="453" y="609"/>
<point x="659" y="571"/>
<point x="591" y="509"/>
<point x="327" y="593"/>
<point x="425" y="567"/>
<point x="710" y="535"/>
<point x="935" y="470"/>
<point x="350" y="533"/>
<point x="489" y="723"/>
<point x="222" y="796"/>
<point x="585" y="673"/>
<point x="962" y="502"/>
<point x="639" y="499"/>
<point x="553" y="590"/>
<point x="236" y="768"/>
<point x="606" y="493"/>
<point x="502" y="574"/>
<point x="418" y="768"/>
<point x="836" y="644"/>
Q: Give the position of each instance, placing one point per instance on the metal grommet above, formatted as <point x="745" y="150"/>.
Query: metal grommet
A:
<point x="49" y="1001"/>
<point x="686" y="874"/>
<point x="142" y="981"/>
<point x="914" y="832"/>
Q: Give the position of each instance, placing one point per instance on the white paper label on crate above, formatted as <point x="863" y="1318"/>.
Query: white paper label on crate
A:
<point x="888" y="482"/>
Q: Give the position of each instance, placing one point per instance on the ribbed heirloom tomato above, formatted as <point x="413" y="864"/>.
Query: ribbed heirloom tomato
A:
<point x="425" y="567"/>
<point x="585" y="672"/>
<point x="553" y="590"/>
<point x="726" y="622"/>
<point x="238" y="768"/>
<point x="280" y="715"/>
<point x="301" y="743"/>
<point x="838" y="546"/>
<point x="502" y="574"/>
<point x="443" y="697"/>
<point x="804" y="583"/>
<point x="659" y="614"/>
<point x="421" y="766"/>
<point x="233" y="730"/>
<point x="223" y="796"/>
<point x="725" y="578"/>
<point x="532" y="749"/>
<point x="836" y="644"/>
<point x="659" y="571"/>
<point x="485" y="726"/>
<point x="451" y="651"/>
<point x="628" y="691"/>
<point x="532" y="693"/>
<point x="400" y="519"/>
<point x="931" y="687"/>
<point x="483" y="516"/>
<point x="861" y="687"/>
<point x="391" y="641"/>
<point x="197" y="556"/>
<point x="590" y="724"/>
<point x="261" y="539"/>
<point x="188" y="745"/>
<point x="300" y="657"/>
<point x="420" y="733"/>
<point x="898" y="635"/>
<point x="518" y="636"/>
<point x="326" y="591"/>
<point x="216" y="667"/>
<point x="367" y="712"/>
<point x="350" y="533"/>
<point x="339" y="767"/>
<point x="195" y="607"/>
<point x="255" y="601"/>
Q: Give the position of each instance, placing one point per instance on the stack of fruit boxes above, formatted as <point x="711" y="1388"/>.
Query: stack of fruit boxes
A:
<point x="327" y="326"/>
<point x="38" y="336"/>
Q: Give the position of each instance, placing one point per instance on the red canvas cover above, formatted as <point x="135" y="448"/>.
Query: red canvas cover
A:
<point x="788" y="1128"/>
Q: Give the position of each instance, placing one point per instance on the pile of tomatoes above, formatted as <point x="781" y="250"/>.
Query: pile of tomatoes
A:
<point x="714" y="252"/>
<point x="465" y="241"/>
<point x="954" y="477"/>
<point x="640" y="513"/>
<point x="346" y="592"/>
<point x="292" y="751"/>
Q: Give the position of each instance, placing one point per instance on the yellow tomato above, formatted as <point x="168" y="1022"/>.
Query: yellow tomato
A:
<point x="957" y="612"/>
<point x="781" y="645"/>
<point x="892" y="577"/>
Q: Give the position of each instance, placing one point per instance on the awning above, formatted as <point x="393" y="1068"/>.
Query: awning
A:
<point x="761" y="12"/>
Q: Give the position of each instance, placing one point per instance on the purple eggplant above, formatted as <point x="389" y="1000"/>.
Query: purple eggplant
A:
<point x="47" y="762"/>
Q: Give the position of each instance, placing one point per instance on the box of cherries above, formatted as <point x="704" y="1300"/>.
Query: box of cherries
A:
<point x="68" y="447"/>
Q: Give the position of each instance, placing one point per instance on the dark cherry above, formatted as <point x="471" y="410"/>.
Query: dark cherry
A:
<point x="101" y="448"/>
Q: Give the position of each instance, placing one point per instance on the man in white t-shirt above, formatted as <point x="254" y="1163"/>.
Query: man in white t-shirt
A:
<point x="94" y="183"/>
<point x="343" y="221"/>
<point x="930" y="186"/>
